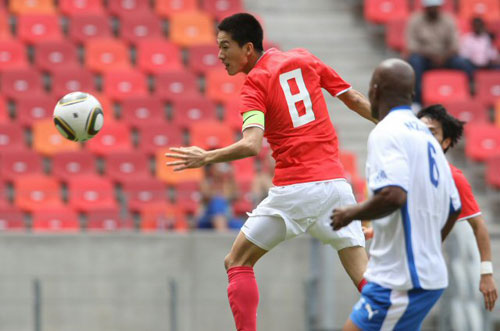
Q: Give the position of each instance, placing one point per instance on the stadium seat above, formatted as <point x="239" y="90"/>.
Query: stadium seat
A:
<point x="221" y="87"/>
<point x="108" y="108"/>
<point x="487" y="86"/>
<point x="244" y="169"/>
<point x="107" y="220"/>
<point x="5" y="33"/>
<point x="244" y="202"/>
<point x="122" y="84"/>
<point x="4" y="114"/>
<point x="163" y="218"/>
<point x="159" y="136"/>
<point x="11" y="219"/>
<point x="186" y="112"/>
<point x="106" y="55"/>
<point x="11" y="137"/>
<point x="220" y="9"/>
<point x="203" y="58"/>
<point x="21" y="83"/>
<point x="90" y="192"/>
<point x="69" y="80"/>
<point x="382" y="11"/>
<point x="350" y="163"/>
<point x="167" y="8"/>
<point x="176" y="85"/>
<point x="142" y="111"/>
<point x="448" y="5"/>
<point x="4" y="197"/>
<point x="34" y="108"/>
<point x="481" y="141"/>
<point x="113" y="137"/>
<point x="53" y="55"/>
<point x="31" y="6"/>
<point x="139" y="193"/>
<point x="496" y="113"/>
<point x="48" y="141"/>
<point x="83" y="28"/>
<point x="395" y="34"/>
<point x="211" y="134"/>
<point x="169" y="176"/>
<point x="188" y="196"/>
<point x="492" y="173"/>
<point x="158" y="55"/>
<point x="467" y="111"/>
<point x="78" y="7"/>
<point x="35" y="28"/>
<point x="19" y="163"/>
<point x="37" y="191"/>
<point x="122" y="167"/>
<point x="192" y="28"/>
<point x="125" y="8"/>
<point x="12" y="55"/>
<point x="62" y="220"/>
<point x="66" y="165"/>
<point x="232" y="115"/>
<point x="135" y="28"/>
<point x="444" y="85"/>
<point x="487" y="9"/>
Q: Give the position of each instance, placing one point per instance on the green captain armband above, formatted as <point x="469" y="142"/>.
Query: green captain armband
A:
<point x="253" y="118"/>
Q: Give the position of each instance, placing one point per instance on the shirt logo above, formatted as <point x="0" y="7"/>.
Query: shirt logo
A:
<point x="370" y="311"/>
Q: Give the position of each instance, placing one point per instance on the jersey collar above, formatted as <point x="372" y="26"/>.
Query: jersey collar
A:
<point x="400" y="108"/>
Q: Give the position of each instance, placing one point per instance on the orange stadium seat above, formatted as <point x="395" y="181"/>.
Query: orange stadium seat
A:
<point x="35" y="192"/>
<point x="220" y="9"/>
<point x="176" y="85"/>
<point x="14" y="55"/>
<point x="221" y="87"/>
<point x="90" y="192"/>
<point x="169" y="176"/>
<point x="350" y="163"/>
<point x="163" y="218"/>
<point x="48" y="141"/>
<point x="107" y="220"/>
<point x="11" y="137"/>
<point x="481" y="141"/>
<point x="4" y="26"/>
<point x="232" y="115"/>
<point x="448" y="5"/>
<point x="20" y="163"/>
<point x="79" y="7"/>
<point x="159" y="136"/>
<point x="139" y="193"/>
<point x="186" y="112"/>
<point x="142" y="111"/>
<point x="66" y="165"/>
<point x="34" y="108"/>
<point x="69" y="80"/>
<point x="395" y="34"/>
<point x="21" y="83"/>
<point x="211" y="134"/>
<point x="382" y="11"/>
<point x="113" y="137"/>
<point x="203" y="58"/>
<point x="122" y="84"/>
<point x="124" y="8"/>
<point x="64" y="220"/>
<point x="192" y="28"/>
<point x="167" y="8"/>
<point x="444" y="85"/>
<point x="492" y="173"/>
<point x="135" y="28"/>
<point x="244" y="169"/>
<point x="467" y="111"/>
<point x="83" y="28"/>
<point x="487" y="9"/>
<point x="158" y="55"/>
<point x="31" y="6"/>
<point x="35" y="28"/>
<point x="487" y="86"/>
<point x="188" y="196"/>
<point x="106" y="55"/>
<point x="11" y="219"/>
<point x="122" y="167"/>
<point x="53" y="55"/>
<point x="496" y="113"/>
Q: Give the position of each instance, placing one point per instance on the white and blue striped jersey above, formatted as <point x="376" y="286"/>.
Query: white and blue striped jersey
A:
<point x="406" y="250"/>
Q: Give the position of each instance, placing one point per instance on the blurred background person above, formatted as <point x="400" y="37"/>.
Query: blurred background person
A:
<point x="477" y="46"/>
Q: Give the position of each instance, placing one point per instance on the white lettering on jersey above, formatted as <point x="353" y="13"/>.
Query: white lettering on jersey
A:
<point x="292" y="99"/>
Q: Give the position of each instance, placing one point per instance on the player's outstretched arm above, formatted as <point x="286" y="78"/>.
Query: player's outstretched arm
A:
<point x="196" y="157"/>
<point x="357" y="102"/>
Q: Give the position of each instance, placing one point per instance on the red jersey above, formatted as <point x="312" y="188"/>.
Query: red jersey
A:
<point x="470" y="207"/>
<point x="286" y="87"/>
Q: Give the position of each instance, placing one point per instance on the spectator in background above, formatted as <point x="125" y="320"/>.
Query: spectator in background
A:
<point x="433" y="43"/>
<point x="477" y="47"/>
<point x="263" y="180"/>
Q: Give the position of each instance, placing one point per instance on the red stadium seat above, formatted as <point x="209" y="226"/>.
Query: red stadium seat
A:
<point x="244" y="202"/>
<point x="232" y="115"/>
<point x="244" y="169"/>
<point x="136" y="28"/>
<point x="163" y="218"/>
<point x="176" y="85"/>
<point x="158" y="55"/>
<point x="79" y="7"/>
<point x="220" y="9"/>
<point x="467" y="111"/>
<point x="11" y="137"/>
<point x="104" y="55"/>
<point x="482" y="141"/>
<point x="142" y="111"/>
<point x="211" y="134"/>
<point x="37" y="191"/>
<point x="4" y="26"/>
<point x="107" y="220"/>
<point x="21" y="83"/>
<point x="47" y="140"/>
<point x="125" y="8"/>
<point x="113" y="137"/>
<point x="52" y="55"/>
<point x="73" y="79"/>
<point x="123" y="167"/>
<point x="444" y="85"/>
<point x="119" y="85"/>
<point x="188" y="196"/>
<point x="350" y="163"/>
<point x="382" y="11"/>
<point x="186" y="112"/>
<point x="487" y="9"/>
<point x="12" y="55"/>
<point x="221" y="87"/>
<point x="4" y="114"/>
<point x="83" y="28"/>
<point x="4" y="197"/>
<point x="203" y="58"/>
<point x="66" y="165"/>
<point x="492" y="173"/>
<point x="63" y="220"/>
<point x="167" y="8"/>
<point x="89" y="192"/>
<point x="395" y="34"/>
<point x="11" y="219"/>
<point x="192" y="28"/>
<point x="159" y="136"/>
<point x="34" y="108"/>
<point x="487" y="86"/>
<point x="31" y="6"/>
<point x="35" y="28"/>
<point x="21" y="163"/>
<point x="139" y="193"/>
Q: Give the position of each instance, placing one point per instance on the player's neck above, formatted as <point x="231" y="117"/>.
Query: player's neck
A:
<point x="252" y="61"/>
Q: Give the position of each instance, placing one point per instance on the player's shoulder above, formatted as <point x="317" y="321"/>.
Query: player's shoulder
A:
<point x="458" y="177"/>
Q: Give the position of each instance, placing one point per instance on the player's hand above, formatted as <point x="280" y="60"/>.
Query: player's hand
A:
<point x="340" y="218"/>
<point x="188" y="157"/>
<point x="488" y="288"/>
<point x="368" y="232"/>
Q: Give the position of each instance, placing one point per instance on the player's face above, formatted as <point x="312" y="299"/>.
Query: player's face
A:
<point x="234" y="57"/>
<point x="436" y="129"/>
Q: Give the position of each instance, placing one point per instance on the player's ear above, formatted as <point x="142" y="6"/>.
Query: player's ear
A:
<point x="249" y="48"/>
<point x="446" y="144"/>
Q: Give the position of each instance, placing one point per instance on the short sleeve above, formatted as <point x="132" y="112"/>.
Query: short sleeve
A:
<point x="330" y="79"/>
<point x="470" y="208"/>
<point x="252" y="95"/>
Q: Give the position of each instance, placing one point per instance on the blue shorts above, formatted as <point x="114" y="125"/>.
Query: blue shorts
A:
<point x="380" y="308"/>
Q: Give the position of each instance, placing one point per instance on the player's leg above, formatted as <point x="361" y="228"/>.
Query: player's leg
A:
<point x="354" y="259"/>
<point x="350" y="326"/>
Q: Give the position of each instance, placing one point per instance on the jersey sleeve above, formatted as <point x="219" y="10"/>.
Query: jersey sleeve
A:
<point x="470" y="208"/>
<point x="253" y="94"/>
<point x="331" y="80"/>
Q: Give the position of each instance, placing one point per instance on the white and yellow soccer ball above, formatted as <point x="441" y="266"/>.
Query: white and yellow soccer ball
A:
<point x="78" y="116"/>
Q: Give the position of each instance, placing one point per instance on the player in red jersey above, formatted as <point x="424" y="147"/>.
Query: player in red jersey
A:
<point x="282" y="100"/>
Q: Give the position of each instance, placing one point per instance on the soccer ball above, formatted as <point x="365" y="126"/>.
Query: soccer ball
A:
<point x="78" y="116"/>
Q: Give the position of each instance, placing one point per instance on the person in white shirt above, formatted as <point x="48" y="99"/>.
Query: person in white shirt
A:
<point x="477" y="46"/>
<point x="414" y="206"/>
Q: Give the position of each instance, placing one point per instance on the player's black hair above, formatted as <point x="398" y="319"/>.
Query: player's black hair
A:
<point x="453" y="128"/>
<point x="243" y="28"/>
